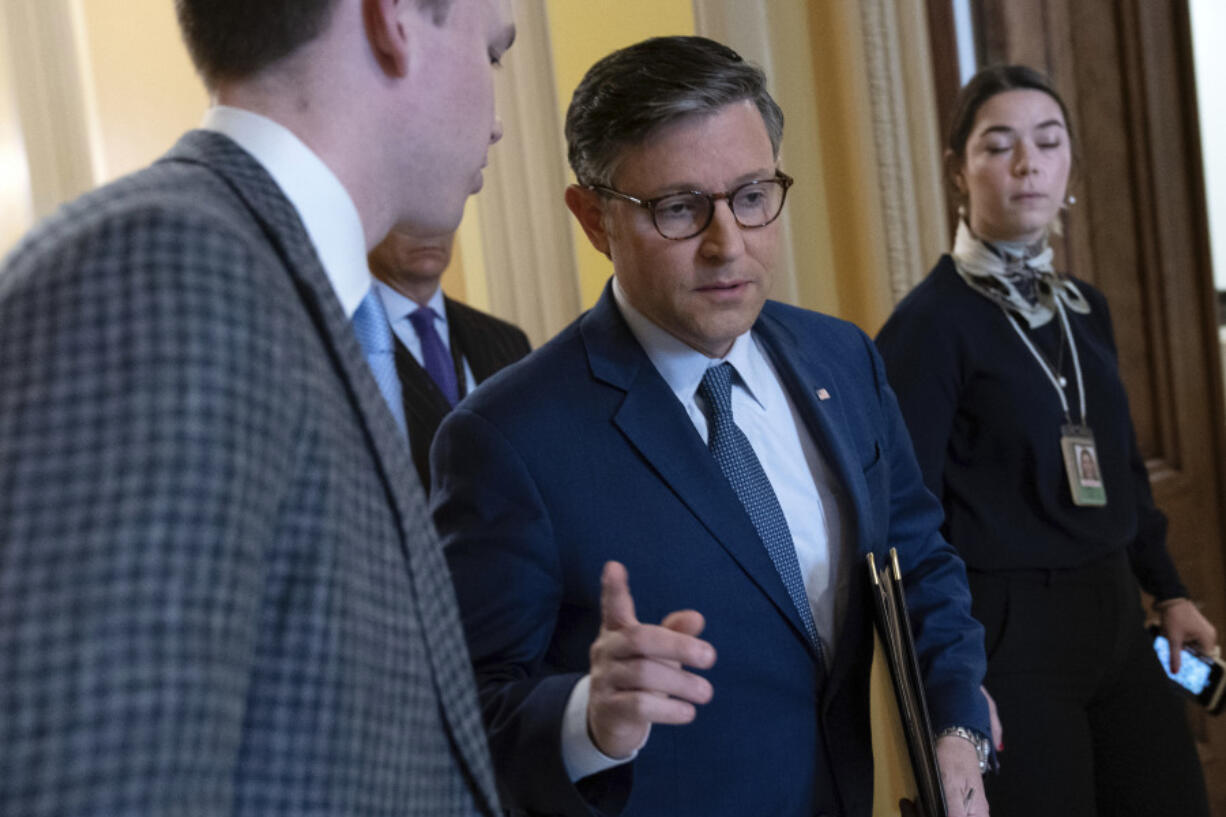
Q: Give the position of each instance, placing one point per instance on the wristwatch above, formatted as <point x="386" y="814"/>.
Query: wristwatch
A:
<point x="983" y="747"/>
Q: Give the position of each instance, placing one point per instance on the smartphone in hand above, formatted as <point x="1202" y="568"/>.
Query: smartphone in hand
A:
<point x="1200" y="676"/>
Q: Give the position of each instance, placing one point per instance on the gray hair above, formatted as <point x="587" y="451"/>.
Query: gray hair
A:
<point x="629" y="94"/>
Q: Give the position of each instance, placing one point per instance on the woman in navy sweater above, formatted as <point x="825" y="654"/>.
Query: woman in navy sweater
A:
<point x="1007" y="375"/>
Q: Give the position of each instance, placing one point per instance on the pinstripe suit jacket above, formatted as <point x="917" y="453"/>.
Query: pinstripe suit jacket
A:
<point x="219" y="590"/>
<point x="486" y="342"/>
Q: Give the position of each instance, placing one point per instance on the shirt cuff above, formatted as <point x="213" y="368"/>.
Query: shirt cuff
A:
<point x="579" y="754"/>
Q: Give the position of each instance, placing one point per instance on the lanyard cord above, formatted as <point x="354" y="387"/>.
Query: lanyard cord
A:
<point x="1047" y="369"/>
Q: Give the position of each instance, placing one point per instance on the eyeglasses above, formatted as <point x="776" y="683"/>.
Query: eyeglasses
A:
<point x="678" y="216"/>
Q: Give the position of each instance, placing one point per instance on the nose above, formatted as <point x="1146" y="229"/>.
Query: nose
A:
<point x="1023" y="160"/>
<point x="496" y="130"/>
<point x="723" y="239"/>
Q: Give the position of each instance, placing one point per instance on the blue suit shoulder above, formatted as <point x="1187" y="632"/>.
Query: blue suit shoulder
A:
<point x="836" y="342"/>
<point x="807" y="324"/>
<point x="521" y="390"/>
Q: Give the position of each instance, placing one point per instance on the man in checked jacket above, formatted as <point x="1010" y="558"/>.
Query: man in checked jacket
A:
<point x="219" y="590"/>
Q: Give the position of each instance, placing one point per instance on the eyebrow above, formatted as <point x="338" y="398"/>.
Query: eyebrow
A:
<point x="1005" y="129"/>
<point x="758" y="175"/>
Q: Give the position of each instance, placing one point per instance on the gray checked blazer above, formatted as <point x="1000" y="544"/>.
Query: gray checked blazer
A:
<point x="220" y="593"/>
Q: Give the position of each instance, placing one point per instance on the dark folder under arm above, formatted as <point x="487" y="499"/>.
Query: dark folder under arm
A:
<point x="890" y="615"/>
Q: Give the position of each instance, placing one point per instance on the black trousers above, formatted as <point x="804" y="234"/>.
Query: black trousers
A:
<point x="1091" y="724"/>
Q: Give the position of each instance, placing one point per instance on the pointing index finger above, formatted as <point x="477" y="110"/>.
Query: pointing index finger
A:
<point x="616" y="603"/>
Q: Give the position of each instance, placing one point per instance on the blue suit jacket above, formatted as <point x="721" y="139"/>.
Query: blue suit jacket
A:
<point x="580" y="454"/>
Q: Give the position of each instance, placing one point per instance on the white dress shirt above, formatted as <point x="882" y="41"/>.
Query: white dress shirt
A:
<point x="399" y="306"/>
<point x="324" y="205"/>
<point x="808" y="492"/>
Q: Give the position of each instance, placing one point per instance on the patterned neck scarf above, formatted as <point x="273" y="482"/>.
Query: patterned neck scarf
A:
<point x="1020" y="279"/>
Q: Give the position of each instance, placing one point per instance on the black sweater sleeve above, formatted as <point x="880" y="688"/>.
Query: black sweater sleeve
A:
<point x="1151" y="561"/>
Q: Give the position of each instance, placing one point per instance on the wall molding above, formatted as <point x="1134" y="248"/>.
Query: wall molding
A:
<point x="905" y="138"/>
<point x="51" y="101"/>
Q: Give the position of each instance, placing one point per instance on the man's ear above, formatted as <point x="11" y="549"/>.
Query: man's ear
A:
<point x="588" y="207"/>
<point x="388" y="33"/>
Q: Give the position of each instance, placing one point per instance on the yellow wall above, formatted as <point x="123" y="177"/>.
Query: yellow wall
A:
<point x="139" y="83"/>
<point x="582" y="33"/>
<point x="853" y="199"/>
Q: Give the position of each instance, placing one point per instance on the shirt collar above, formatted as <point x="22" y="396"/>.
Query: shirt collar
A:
<point x="327" y="211"/>
<point x="398" y="305"/>
<point x="683" y="366"/>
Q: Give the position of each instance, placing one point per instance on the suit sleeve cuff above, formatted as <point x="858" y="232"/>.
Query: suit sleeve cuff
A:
<point x="579" y="754"/>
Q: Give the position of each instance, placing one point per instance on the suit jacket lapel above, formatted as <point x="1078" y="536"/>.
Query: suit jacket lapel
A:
<point x="477" y="354"/>
<point x="279" y="221"/>
<point x="803" y="375"/>
<point x="424" y="408"/>
<point x="656" y="425"/>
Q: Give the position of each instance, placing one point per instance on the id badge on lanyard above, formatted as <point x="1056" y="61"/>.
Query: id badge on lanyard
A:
<point x="1081" y="465"/>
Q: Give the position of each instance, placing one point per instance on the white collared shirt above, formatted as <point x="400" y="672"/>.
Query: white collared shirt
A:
<point x="399" y="306"/>
<point x="808" y="491"/>
<point x="324" y="205"/>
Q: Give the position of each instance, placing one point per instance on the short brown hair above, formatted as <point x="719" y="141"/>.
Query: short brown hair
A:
<point x="630" y="93"/>
<point x="233" y="39"/>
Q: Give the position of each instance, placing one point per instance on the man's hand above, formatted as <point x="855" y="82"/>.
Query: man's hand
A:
<point x="959" y="763"/>
<point x="636" y="674"/>
<point x="1183" y="625"/>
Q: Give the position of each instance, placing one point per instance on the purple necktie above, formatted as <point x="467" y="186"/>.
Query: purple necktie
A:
<point x="434" y="354"/>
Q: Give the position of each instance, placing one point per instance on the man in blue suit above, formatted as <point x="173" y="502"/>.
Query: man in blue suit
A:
<point x="730" y="459"/>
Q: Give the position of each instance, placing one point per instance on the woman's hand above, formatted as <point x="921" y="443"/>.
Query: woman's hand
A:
<point x="1183" y="625"/>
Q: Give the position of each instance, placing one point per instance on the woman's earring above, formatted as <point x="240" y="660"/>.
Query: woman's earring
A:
<point x="1070" y="201"/>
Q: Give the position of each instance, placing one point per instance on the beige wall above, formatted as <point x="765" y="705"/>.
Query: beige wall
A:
<point x="16" y="207"/>
<point x="140" y="87"/>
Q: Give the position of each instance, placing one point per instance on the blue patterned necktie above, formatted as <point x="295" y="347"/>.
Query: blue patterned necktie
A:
<point x="435" y="358"/>
<point x="375" y="336"/>
<point x="741" y="466"/>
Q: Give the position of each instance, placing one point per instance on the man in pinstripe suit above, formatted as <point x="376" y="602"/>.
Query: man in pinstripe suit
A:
<point x="219" y="590"/>
<point x="467" y="344"/>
